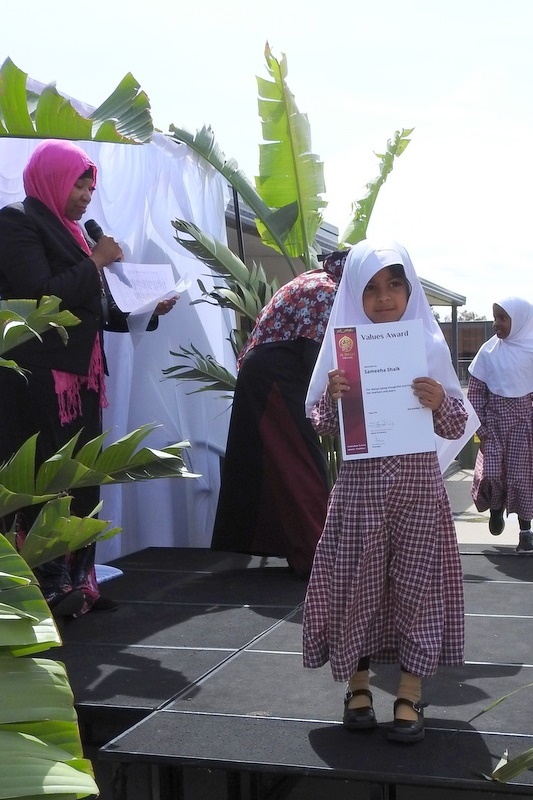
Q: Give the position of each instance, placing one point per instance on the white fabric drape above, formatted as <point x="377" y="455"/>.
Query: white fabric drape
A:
<point x="140" y="190"/>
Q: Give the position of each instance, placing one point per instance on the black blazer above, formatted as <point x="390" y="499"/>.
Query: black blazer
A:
<point x="38" y="257"/>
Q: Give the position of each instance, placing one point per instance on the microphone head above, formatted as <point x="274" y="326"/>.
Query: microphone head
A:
<point x="93" y="229"/>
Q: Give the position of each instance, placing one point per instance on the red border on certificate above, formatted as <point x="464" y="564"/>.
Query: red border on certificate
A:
<point x="351" y="411"/>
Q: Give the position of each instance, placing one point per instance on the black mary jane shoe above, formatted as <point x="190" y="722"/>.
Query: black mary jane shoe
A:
<point x="404" y="730"/>
<point x="358" y="719"/>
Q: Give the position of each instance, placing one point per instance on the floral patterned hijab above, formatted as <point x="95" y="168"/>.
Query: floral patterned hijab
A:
<point x="49" y="176"/>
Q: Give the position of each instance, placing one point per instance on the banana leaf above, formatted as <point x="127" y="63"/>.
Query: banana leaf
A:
<point x="278" y="221"/>
<point x="124" y="117"/>
<point x="40" y="746"/>
<point x="31" y="767"/>
<point x="362" y="209"/>
<point x="26" y="626"/>
<point x="289" y="173"/>
<point x="35" y="689"/>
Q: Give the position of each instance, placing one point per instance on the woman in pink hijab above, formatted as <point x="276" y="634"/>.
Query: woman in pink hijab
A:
<point x="43" y="251"/>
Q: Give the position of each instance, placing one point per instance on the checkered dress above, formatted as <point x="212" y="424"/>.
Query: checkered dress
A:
<point x="387" y="578"/>
<point x="503" y="474"/>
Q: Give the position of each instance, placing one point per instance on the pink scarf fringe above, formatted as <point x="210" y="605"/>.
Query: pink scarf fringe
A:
<point x="67" y="386"/>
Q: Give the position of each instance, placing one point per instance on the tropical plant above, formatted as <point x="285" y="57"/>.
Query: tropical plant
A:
<point x="287" y="196"/>
<point x="40" y="745"/>
<point x="289" y="173"/>
<point x="288" y="190"/>
<point x="507" y="768"/>
<point x="279" y="221"/>
<point x="362" y="209"/>
<point x="23" y="319"/>
<point x="246" y="291"/>
<point x="124" y="117"/>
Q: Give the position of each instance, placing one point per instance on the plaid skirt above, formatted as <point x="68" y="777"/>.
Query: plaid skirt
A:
<point x="387" y="579"/>
<point x="503" y="474"/>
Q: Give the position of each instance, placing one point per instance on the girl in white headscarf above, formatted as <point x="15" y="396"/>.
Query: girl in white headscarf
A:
<point x="501" y="391"/>
<point x="386" y="583"/>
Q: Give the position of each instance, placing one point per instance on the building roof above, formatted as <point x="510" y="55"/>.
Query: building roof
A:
<point x="439" y="296"/>
<point x="327" y="238"/>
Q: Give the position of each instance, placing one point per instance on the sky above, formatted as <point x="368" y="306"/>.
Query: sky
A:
<point x="459" y="72"/>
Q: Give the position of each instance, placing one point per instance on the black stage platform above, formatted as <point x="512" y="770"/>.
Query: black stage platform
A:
<point x="196" y="685"/>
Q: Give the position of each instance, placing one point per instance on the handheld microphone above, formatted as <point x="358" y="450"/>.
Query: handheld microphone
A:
<point x="94" y="230"/>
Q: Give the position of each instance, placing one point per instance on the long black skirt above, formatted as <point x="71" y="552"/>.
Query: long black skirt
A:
<point x="29" y="407"/>
<point x="274" y="486"/>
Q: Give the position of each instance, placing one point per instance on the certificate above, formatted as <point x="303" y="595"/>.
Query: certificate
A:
<point x="380" y="415"/>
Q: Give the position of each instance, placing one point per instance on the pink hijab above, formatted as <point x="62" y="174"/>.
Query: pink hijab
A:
<point x="54" y="167"/>
<point x="49" y="176"/>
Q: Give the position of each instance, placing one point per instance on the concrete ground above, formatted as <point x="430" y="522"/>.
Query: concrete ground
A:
<point x="472" y="525"/>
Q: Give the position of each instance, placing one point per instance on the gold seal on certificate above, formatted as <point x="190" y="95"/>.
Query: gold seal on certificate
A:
<point x="380" y="415"/>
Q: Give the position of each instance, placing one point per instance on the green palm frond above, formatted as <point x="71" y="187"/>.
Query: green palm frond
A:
<point x="23" y="319"/>
<point x="124" y="117"/>
<point x="512" y="767"/>
<point x="246" y="291"/>
<point x="121" y="462"/>
<point x="206" y="370"/>
<point x="288" y="171"/>
<point x="508" y="768"/>
<point x="211" y="251"/>
<point x="362" y="209"/>
<point x="57" y="531"/>
<point x="278" y="221"/>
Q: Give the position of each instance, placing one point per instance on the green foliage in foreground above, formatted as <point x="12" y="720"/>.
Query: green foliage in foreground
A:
<point x="40" y="747"/>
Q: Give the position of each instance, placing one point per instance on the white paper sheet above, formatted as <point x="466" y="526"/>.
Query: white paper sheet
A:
<point x="138" y="288"/>
<point x="380" y="415"/>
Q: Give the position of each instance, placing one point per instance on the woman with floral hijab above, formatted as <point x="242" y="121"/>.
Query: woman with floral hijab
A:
<point x="274" y="487"/>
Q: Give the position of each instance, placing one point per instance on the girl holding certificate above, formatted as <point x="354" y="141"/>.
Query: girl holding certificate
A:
<point x="386" y="584"/>
<point x="501" y="391"/>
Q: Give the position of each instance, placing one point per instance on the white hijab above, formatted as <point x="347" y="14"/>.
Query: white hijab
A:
<point x="364" y="260"/>
<point x="506" y="365"/>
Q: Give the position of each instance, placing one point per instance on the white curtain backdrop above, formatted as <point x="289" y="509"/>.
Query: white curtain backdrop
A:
<point x="140" y="190"/>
